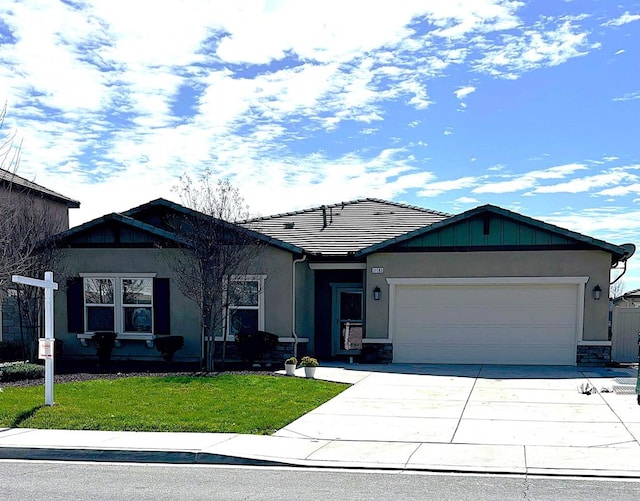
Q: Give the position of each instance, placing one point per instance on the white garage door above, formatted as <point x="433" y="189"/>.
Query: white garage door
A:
<point x="486" y="323"/>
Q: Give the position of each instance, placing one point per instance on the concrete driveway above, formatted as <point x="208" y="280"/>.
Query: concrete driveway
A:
<point x="477" y="404"/>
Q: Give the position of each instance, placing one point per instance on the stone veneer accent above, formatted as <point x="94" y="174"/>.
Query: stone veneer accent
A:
<point x="377" y="353"/>
<point x="10" y="321"/>
<point x="593" y="355"/>
<point x="277" y="356"/>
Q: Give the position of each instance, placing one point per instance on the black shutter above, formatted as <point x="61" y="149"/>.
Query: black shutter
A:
<point x="161" y="306"/>
<point x="75" y="305"/>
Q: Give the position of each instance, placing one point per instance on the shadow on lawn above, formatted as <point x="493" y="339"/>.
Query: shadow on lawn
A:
<point x="23" y="416"/>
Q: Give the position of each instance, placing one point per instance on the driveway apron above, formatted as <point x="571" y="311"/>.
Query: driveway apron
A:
<point x="475" y="404"/>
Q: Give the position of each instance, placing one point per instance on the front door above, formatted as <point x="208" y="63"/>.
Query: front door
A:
<point x="347" y="316"/>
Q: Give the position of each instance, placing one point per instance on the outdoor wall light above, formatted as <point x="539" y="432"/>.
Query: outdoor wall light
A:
<point x="377" y="293"/>
<point x="597" y="291"/>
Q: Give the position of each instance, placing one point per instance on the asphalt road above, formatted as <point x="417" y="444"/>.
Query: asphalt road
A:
<point x="53" y="481"/>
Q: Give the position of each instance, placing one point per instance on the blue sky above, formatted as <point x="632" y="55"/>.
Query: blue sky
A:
<point x="532" y="106"/>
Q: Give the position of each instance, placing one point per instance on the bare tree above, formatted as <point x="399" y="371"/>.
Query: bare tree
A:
<point x="214" y="252"/>
<point x="25" y="224"/>
<point x="617" y="289"/>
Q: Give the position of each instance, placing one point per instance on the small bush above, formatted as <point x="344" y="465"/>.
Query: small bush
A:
<point x="254" y="345"/>
<point x="309" y="362"/>
<point x="20" y="370"/>
<point x="168" y="345"/>
<point x="291" y="361"/>
<point x="105" y="342"/>
<point x="9" y="351"/>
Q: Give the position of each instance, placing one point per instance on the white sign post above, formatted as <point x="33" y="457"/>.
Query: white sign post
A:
<point x="45" y="345"/>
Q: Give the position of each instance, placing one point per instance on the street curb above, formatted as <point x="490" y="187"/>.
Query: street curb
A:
<point x="203" y="458"/>
<point x="129" y="456"/>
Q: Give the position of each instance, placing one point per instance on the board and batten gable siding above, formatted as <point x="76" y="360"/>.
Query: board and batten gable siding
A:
<point x="548" y="263"/>
<point x="487" y="232"/>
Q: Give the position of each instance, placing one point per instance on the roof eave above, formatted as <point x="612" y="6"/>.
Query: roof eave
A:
<point x="617" y="252"/>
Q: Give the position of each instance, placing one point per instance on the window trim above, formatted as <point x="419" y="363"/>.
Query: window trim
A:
<point x="118" y="305"/>
<point x="260" y="306"/>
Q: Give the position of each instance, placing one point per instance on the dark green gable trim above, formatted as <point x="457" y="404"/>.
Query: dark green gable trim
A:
<point x="115" y="230"/>
<point x="492" y="228"/>
<point x="487" y="232"/>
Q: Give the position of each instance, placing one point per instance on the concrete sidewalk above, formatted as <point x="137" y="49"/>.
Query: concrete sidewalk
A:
<point x="506" y="419"/>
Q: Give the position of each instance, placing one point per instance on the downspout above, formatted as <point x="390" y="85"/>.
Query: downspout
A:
<point x="293" y="303"/>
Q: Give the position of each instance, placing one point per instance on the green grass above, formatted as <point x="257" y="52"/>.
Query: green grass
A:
<point x="226" y="403"/>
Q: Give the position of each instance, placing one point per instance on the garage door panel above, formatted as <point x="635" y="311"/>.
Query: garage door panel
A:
<point x="474" y="315"/>
<point x="524" y="324"/>
<point x="468" y="354"/>
<point x="444" y="296"/>
<point x="498" y="335"/>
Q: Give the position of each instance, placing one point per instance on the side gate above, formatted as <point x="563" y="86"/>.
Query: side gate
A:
<point x="625" y="327"/>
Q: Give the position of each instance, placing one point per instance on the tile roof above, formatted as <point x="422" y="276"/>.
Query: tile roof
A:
<point x="346" y="227"/>
<point x="7" y="177"/>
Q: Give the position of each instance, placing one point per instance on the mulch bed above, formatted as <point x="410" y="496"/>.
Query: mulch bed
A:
<point x="89" y="371"/>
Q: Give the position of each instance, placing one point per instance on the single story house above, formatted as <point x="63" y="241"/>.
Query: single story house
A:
<point x="367" y="279"/>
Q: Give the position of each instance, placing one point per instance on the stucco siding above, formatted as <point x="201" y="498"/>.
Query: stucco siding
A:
<point x="184" y="318"/>
<point x="56" y="213"/>
<point x="274" y="264"/>
<point x="592" y="264"/>
<point x="305" y="302"/>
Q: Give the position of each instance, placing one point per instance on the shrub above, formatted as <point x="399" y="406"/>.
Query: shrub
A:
<point x="9" y="351"/>
<point x="105" y="342"/>
<point x="168" y="345"/>
<point x="18" y="371"/>
<point x="308" y="362"/>
<point x="255" y="345"/>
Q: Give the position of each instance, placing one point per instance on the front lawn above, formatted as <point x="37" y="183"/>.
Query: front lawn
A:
<point x="228" y="403"/>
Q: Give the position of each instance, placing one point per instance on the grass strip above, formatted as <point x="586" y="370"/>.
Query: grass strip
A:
<point x="227" y="403"/>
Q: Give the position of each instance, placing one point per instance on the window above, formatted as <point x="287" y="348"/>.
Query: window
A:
<point x="246" y="305"/>
<point x="137" y="304"/>
<point x="119" y="304"/>
<point x="99" y="305"/>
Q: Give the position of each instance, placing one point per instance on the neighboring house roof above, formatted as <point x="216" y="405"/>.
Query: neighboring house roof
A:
<point x="633" y="296"/>
<point x="9" y="178"/>
<point x="345" y="228"/>
<point x="563" y="236"/>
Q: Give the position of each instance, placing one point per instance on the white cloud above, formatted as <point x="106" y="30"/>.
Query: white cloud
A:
<point x="628" y="97"/>
<point x="466" y="200"/>
<point x="528" y="180"/>
<point x="588" y="183"/>
<point x="534" y="47"/>
<point x="619" y="191"/>
<point x="625" y="18"/>
<point x="463" y="92"/>
<point x="612" y="224"/>
<point x="437" y="188"/>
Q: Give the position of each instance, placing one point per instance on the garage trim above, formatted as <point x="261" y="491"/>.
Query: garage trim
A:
<point x="579" y="282"/>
